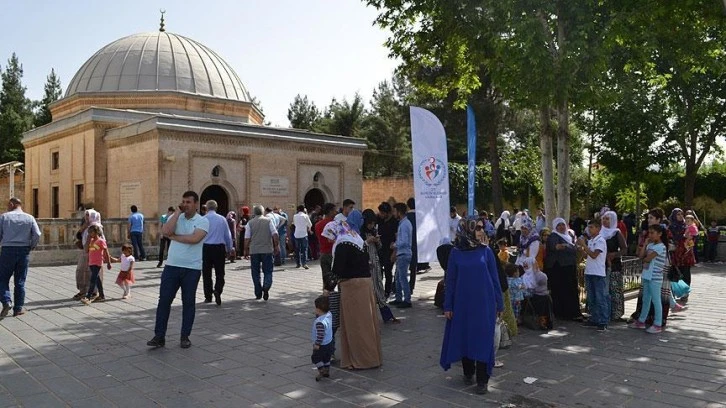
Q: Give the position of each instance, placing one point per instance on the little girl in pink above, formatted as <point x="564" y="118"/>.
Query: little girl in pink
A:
<point x="126" y="277"/>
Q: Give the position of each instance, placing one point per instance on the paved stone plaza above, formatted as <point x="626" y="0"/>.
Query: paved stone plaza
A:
<point x="252" y="353"/>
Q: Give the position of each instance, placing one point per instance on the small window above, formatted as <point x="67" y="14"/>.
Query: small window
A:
<point x="35" y="202"/>
<point x="54" y="161"/>
<point x="215" y="171"/>
<point x="79" y="196"/>
<point x="54" y="205"/>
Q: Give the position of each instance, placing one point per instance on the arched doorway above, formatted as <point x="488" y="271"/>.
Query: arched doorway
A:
<point x="218" y="194"/>
<point x="313" y="198"/>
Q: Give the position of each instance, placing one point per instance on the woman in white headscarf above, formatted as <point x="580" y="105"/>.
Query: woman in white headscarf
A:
<point x="502" y="228"/>
<point x="561" y="270"/>
<point x="617" y="247"/>
<point x="360" y="337"/>
<point x="83" y="274"/>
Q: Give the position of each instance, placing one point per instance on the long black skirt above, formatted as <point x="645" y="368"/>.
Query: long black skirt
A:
<point x="562" y="282"/>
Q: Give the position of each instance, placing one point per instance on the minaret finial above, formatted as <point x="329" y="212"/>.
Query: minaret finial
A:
<point x="161" y="25"/>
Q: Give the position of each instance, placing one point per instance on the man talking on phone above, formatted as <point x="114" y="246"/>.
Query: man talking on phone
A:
<point x="186" y="230"/>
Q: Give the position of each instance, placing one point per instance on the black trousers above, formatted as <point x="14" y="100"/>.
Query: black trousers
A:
<point x="163" y="247"/>
<point x="479" y="367"/>
<point x="213" y="256"/>
<point x="412" y="269"/>
<point x="387" y="268"/>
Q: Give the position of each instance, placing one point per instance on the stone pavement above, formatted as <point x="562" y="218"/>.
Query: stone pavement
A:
<point x="252" y="353"/>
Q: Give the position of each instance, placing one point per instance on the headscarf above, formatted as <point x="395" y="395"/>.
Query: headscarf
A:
<point x="94" y="218"/>
<point x="368" y="217"/>
<point x="466" y="233"/>
<point x="526" y="240"/>
<point x="503" y="218"/>
<point x="341" y="231"/>
<point x="612" y="230"/>
<point x="566" y="236"/>
<point x="355" y="220"/>
<point x="246" y="211"/>
<point x="677" y="228"/>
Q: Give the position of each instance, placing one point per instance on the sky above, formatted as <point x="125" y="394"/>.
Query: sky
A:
<point x="280" y="48"/>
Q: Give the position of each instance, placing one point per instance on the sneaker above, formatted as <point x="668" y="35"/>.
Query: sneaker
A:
<point x="86" y="301"/>
<point x="265" y="294"/>
<point x="185" y="342"/>
<point x="306" y="267"/>
<point x="94" y="298"/>
<point x="159" y="265"/>
<point x="218" y="298"/>
<point x="18" y="312"/>
<point x="678" y="308"/>
<point x="100" y="299"/>
<point x="654" y="329"/>
<point x="637" y="325"/>
<point x="326" y="371"/>
<point x="6" y="310"/>
<point x="78" y="296"/>
<point x="156" y="342"/>
<point x="482" y="389"/>
<point x="208" y="300"/>
<point x="602" y="327"/>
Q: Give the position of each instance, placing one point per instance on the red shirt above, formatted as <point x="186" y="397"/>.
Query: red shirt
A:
<point x="95" y="251"/>
<point x="326" y="246"/>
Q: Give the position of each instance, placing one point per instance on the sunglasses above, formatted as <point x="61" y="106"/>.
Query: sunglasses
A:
<point x="479" y="227"/>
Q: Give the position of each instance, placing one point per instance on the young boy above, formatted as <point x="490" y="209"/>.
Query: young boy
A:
<point x="503" y="254"/>
<point x="333" y="307"/>
<point x="322" y="337"/>
<point x="596" y="284"/>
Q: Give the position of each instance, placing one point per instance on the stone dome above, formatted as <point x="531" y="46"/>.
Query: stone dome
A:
<point x="158" y="61"/>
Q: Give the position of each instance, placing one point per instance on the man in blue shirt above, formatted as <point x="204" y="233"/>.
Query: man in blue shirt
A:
<point x="19" y="234"/>
<point x="136" y="233"/>
<point x="217" y="245"/>
<point x="186" y="230"/>
<point x="402" y="256"/>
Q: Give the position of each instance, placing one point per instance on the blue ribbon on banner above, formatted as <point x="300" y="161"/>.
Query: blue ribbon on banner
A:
<point x="471" y="149"/>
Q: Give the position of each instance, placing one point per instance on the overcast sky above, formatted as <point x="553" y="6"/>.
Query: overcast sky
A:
<point x="278" y="48"/>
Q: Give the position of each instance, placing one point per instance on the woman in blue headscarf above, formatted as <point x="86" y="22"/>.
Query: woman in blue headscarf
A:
<point x="472" y="303"/>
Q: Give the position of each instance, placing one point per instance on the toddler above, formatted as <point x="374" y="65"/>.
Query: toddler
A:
<point x="126" y="277"/>
<point x="322" y="337"/>
<point x="97" y="254"/>
<point x="503" y="252"/>
<point x="516" y="288"/>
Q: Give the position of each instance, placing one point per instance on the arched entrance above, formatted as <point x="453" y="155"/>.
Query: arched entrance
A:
<point x="314" y="197"/>
<point x="218" y="194"/>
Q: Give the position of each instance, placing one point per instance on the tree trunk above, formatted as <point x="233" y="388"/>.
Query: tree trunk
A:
<point x="690" y="187"/>
<point x="638" y="209"/>
<point x="548" y="175"/>
<point x="493" y="150"/>
<point x="563" y="161"/>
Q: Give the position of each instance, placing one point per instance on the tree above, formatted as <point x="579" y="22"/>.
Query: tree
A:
<point x="444" y="47"/>
<point x="53" y="92"/>
<point x="16" y="116"/>
<point x="343" y="118"/>
<point x="303" y="114"/>
<point x="679" y="46"/>
<point x="387" y="131"/>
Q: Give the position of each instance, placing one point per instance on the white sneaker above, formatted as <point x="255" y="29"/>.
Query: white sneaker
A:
<point x="654" y="329"/>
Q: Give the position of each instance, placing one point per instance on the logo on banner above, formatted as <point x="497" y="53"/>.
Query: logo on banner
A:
<point x="432" y="171"/>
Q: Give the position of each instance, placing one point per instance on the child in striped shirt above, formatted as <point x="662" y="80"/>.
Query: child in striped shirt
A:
<point x="322" y="337"/>
<point x="654" y="256"/>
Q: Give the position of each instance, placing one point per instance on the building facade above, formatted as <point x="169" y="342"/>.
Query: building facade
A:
<point x="152" y="115"/>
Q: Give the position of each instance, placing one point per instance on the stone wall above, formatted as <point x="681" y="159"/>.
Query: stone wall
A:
<point x="5" y="187"/>
<point x="57" y="247"/>
<point x="390" y="189"/>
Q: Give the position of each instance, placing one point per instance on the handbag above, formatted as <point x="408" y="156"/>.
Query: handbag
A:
<point x="505" y="340"/>
<point x="680" y="288"/>
<point x="671" y="271"/>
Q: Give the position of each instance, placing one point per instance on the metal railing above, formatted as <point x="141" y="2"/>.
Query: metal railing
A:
<point x="632" y="268"/>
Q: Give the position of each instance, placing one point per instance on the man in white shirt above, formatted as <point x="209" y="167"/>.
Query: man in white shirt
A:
<point x="348" y="206"/>
<point x="302" y="229"/>
<point x="596" y="284"/>
<point x="453" y="223"/>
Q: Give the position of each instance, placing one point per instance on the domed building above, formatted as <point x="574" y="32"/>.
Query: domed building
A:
<point x="152" y="115"/>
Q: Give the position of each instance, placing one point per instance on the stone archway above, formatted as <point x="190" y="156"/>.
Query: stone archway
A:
<point x="217" y="193"/>
<point x="314" y="197"/>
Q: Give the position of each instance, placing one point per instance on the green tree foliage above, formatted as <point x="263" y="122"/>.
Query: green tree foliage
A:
<point x="16" y="115"/>
<point x="387" y="131"/>
<point x="343" y="118"/>
<point x="53" y="92"/>
<point x="303" y="114"/>
<point x="631" y="199"/>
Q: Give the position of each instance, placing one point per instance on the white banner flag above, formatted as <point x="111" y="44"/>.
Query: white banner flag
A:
<point x="431" y="182"/>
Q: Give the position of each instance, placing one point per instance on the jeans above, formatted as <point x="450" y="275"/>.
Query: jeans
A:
<point x="173" y="278"/>
<point x="301" y="252"/>
<point x="387" y="269"/>
<point x="213" y="256"/>
<point x="413" y="269"/>
<point x="711" y="251"/>
<point x="651" y="295"/>
<point x="598" y="299"/>
<point x="403" y="290"/>
<point x="266" y="261"/>
<point x="95" y="281"/>
<point x="14" y="262"/>
<point x="163" y="247"/>
<point x="137" y="242"/>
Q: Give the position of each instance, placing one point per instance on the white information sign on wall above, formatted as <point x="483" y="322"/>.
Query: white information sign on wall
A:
<point x="271" y="186"/>
<point x="129" y="194"/>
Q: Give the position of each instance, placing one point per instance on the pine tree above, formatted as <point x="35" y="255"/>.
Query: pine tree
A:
<point x="16" y="115"/>
<point x="53" y="92"/>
